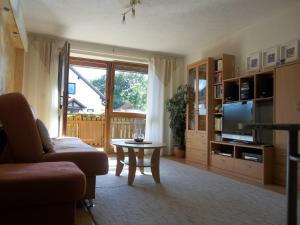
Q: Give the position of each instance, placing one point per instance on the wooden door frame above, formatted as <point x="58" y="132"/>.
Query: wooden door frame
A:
<point x="63" y="78"/>
<point x="109" y="113"/>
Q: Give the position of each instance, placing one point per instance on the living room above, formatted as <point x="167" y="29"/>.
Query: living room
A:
<point x="238" y="60"/>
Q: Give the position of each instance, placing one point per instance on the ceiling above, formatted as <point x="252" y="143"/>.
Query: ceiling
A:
<point x="172" y="26"/>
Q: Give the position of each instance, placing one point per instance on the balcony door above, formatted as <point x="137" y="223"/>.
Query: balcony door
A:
<point x="106" y="100"/>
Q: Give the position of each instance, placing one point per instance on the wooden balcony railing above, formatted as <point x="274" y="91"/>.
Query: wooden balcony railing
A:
<point x="91" y="128"/>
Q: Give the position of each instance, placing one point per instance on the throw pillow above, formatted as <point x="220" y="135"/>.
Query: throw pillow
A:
<point x="45" y="138"/>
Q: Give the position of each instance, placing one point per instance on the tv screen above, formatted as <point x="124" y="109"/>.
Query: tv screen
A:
<point x="235" y="114"/>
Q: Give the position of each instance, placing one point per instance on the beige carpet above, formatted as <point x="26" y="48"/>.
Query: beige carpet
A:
<point x="186" y="195"/>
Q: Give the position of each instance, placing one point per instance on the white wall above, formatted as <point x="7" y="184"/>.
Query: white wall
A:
<point x="279" y="29"/>
<point x="7" y="58"/>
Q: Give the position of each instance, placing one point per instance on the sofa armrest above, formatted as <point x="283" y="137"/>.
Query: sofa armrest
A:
<point x="92" y="163"/>
<point x="40" y="183"/>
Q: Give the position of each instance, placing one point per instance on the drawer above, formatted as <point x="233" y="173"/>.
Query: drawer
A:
<point x="248" y="168"/>
<point x="222" y="162"/>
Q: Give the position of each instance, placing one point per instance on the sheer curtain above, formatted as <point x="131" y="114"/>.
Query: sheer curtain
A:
<point x="40" y="80"/>
<point x="164" y="77"/>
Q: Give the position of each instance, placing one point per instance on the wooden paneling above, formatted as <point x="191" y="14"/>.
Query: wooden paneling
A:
<point x="14" y="20"/>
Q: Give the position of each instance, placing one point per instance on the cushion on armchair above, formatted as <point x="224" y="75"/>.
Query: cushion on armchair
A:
<point x="45" y="137"/>
<point x="23" y="139"/>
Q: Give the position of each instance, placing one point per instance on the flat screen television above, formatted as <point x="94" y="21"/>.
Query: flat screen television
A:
<point x="234" y="115"/>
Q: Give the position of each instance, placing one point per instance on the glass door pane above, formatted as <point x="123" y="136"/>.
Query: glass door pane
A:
<point x="130" y="91"/>
<point x="129" y="98"/>
<point x="87" y="104"/>
<point x="192" y="104"/>
<point x="202" y="92"/>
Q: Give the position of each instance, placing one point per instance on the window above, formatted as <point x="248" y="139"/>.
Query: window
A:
<point x="90" y="110"/>
<point x="130" y="88"/>
<point x="71" y="88"/>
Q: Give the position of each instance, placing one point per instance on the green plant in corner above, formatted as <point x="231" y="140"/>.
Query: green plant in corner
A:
<point x="176" y="107"/>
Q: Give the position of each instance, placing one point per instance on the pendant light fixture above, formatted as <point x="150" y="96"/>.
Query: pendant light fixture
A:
<point x="130" y="8"/>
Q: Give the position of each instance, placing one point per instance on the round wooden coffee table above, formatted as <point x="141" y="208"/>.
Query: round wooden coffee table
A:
<point x="133" y="163"/>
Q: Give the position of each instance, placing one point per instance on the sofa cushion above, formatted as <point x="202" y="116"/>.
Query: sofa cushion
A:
<point x="40" y="183"/>
<point x="87" y="158"/>
<point x="45" y="137"/>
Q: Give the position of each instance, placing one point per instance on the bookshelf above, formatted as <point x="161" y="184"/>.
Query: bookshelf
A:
<point x="224" y="66"/>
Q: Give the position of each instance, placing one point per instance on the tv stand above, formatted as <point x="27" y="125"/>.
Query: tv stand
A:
<point x="249" y="161"/>
<point x="241" y="142"/>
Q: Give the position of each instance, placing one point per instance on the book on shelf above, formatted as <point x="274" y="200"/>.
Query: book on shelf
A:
<point x="218" y="78"/>
<point x="218" y="123"/>
<point x="218" y="91"/>
<point x="219" y="65"/>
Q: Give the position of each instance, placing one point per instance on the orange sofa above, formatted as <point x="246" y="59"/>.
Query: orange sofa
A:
<point x="32" y="177"/>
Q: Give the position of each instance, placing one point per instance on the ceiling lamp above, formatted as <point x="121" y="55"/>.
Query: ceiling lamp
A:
<point x="130" y="8"/>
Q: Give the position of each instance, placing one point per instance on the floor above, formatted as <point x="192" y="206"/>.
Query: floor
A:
<point x="85" y="218"/>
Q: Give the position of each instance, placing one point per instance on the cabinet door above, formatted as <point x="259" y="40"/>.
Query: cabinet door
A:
<point x="202" y="97"/>
<point x="287" y="88"/>
<point x="287" y="110"/>
<point x="191" y="122"/>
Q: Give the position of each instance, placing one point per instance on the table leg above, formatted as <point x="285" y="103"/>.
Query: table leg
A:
<point x="141" y="160"/>
<point x="155" y="165"/>
<point x="292" y="179"/>
<point x="132" y="166"/>
<point x="120" y="160"/>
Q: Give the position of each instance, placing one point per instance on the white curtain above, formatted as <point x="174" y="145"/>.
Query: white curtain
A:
<point x="40" y="80"/>
<point x="165" y="74"/>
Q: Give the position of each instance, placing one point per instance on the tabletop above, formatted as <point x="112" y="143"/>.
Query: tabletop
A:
<point x="138" y="145"/>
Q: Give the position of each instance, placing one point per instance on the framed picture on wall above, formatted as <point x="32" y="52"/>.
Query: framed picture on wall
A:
<point x="270" y="56"/>
<point x="290" y="51"/>
<point x="253" y="61"/>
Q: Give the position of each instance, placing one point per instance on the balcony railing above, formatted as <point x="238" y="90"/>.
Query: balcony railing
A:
<point x="91" y="128"/>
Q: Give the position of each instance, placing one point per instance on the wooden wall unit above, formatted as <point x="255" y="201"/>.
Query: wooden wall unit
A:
<point x="287" y="110"/>
<point x="281" y="106"/>
<point x="219" y="75"/>
<point x="201" y="77"/>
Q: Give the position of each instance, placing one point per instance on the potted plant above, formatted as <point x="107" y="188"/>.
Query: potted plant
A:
<point x="176" y="107"/>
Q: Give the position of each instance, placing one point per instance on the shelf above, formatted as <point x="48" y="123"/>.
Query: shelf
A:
<point x="218" y="114"/>
<point x="264" y="99"/>
<point x="216" y="84"/>
<point x="139" y="163"/>
<point x="218" y="71"/>
<point x="225" y="102"/>
<point x="217" y="131"/>
<point x="232" y="79"/>
<point x="218" y="98"/>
